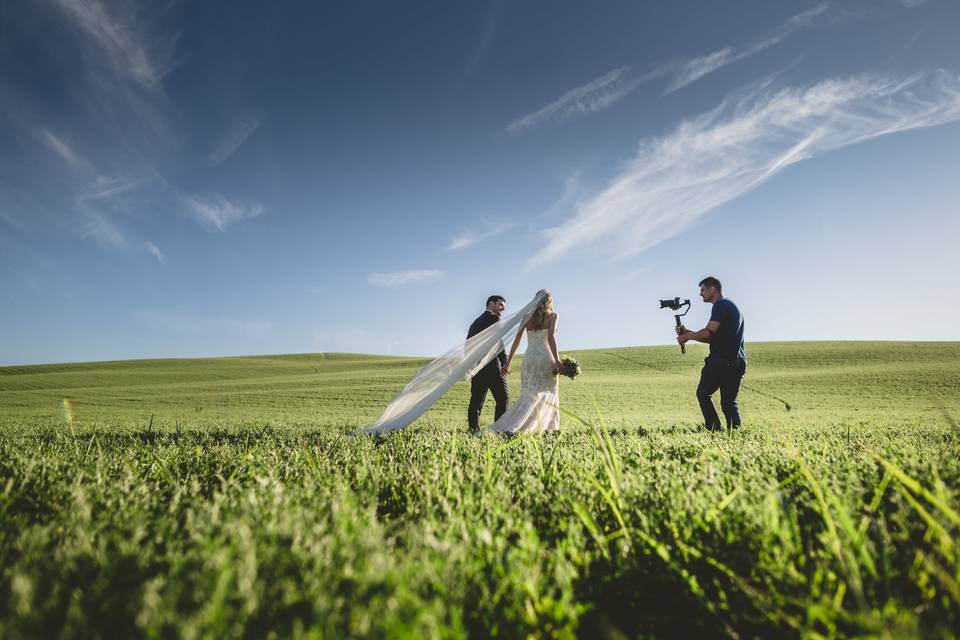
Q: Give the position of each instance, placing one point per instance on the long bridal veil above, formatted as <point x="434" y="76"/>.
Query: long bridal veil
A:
<point x="461" y="362"/>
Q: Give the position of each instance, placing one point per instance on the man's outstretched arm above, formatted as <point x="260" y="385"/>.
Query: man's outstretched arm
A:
<point x="704" y="335"/>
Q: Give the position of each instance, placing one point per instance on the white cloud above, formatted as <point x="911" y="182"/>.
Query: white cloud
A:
<point x="217" y="213"/>
<point x="238" y="132"/>
<point x="96" y="226"/>
<point x="910" y="4"/>
<point x="473" y="236"/>
<point x="95" y="157"/>
<point x="105" y="197"/>
<point x="113" y="189"/>
<point x="154" y="250"/>
<point x="491" y="24"/>
<point x="109" y="63"/>
<point x="707" y="161"/>
<point x="62" y="149"/>
<point x="395" y="279"/>
<point x="562" y="205"/>
<point x="694" y="69"/>
<point x="125" y="58"/>
<point x="614" y="86"/>
<point x="120" y="39"/>
<point x="590" y="98"/>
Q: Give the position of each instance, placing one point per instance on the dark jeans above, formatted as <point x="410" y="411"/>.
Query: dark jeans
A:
<point x="486" y="380"/>
<point x="724" y="374"/>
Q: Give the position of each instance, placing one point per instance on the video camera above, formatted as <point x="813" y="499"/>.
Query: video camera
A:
<point x="674" y="305"/>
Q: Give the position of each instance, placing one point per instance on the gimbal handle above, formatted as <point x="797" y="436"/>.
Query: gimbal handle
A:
<point x="683" y="347"/>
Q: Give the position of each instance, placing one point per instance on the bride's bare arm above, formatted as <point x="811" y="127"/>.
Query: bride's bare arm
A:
<point x="513" y="349"/>
<point x="552" y="340"/>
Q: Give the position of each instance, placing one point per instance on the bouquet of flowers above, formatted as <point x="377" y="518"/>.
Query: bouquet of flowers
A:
<point x="569" y="367"/>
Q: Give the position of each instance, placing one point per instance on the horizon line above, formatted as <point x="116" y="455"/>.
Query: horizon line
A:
<point x="426" y="357"/>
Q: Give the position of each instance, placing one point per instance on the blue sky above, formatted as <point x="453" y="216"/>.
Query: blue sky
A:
<point x="195" y="179"/>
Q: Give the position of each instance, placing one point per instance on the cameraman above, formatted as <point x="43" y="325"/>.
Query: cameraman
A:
<point x="724" y="368"/>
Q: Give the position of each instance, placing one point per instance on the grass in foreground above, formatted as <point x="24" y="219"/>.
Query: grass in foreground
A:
<point x="257" y="513"/>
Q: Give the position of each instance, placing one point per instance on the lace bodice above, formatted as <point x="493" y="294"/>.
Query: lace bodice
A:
<point x="536" y="374"/>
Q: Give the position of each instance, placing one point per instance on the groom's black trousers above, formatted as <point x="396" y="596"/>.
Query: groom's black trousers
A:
<point x="487" y="379"/>
<point x="724" y="374"/>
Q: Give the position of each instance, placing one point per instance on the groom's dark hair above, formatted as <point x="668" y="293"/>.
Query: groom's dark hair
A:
<point x="495" y="299"/>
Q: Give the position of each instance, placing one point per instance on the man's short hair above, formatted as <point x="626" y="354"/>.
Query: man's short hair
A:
<point x="710" y="281"/>
<point x="495" y="299"/>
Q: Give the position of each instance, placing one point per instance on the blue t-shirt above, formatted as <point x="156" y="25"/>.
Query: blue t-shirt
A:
<point x="727" y="342"/>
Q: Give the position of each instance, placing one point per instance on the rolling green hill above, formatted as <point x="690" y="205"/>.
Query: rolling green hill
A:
<point x="644" y="386"/>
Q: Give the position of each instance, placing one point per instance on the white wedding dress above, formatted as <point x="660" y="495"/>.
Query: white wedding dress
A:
<point x="538" y="409"/>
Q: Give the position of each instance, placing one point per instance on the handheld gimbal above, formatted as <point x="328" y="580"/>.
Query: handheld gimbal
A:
<point x="674" y="305"/>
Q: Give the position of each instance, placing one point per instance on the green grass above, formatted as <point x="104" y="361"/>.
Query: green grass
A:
<point x="224" y="497"/>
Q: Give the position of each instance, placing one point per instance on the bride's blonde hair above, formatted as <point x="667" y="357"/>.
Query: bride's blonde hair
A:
<point x="538" y="320"/>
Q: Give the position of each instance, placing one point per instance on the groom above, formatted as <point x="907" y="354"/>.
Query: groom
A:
<point x="489" y="377"/>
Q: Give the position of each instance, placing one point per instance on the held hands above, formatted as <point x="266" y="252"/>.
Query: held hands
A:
<point x="681" y="330"/>
<point x="683" y="338"/>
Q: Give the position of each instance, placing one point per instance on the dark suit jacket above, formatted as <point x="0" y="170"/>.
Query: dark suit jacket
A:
<point x="485" y="320"/>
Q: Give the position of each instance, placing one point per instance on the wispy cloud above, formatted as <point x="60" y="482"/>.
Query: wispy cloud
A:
<point x="396" y="279"/>
<point x="597" y="95"/>
<point x="115" y="187"/>
<point x="239" y="130"/>
<point x="491" y="24"/>
<point x="692" y="70"/>
<point x="154" y="250"/>
<point x="88" y="150"/>
<point x="62" y="149"/>
<point x="96" y="226"/>
<point x="125" y="57"/>
<point x="614" y="86"/>
<point x="753" y="135"/>
<point x="563" y="204"/>
<point x="473" y="236"/>
<point x="105" y="198"/>
<point x="217" y="213"/>
<point x="910" y="4"/>
<point x="121" y="40"/>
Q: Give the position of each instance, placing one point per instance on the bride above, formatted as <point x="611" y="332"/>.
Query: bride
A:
<point x="538" y="409"/>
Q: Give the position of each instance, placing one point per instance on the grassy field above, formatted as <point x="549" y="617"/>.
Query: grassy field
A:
<point x="225" y="497"/>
